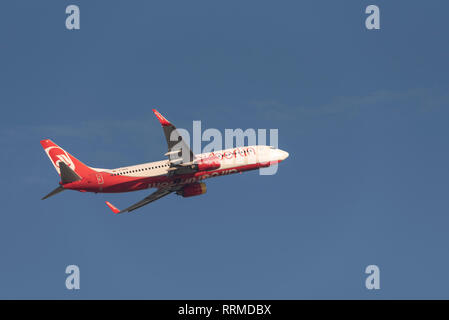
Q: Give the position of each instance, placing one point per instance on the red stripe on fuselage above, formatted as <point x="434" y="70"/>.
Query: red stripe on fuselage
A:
<point x="120" y="183"/>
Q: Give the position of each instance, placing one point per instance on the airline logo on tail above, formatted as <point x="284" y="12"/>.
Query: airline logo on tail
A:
<point x="56" y="154"/>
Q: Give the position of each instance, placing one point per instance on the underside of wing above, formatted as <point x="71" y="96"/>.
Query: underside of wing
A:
<point x="152" y="197"/>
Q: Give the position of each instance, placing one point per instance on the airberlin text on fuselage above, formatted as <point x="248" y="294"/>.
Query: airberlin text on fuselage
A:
<point x="244" y="152"/>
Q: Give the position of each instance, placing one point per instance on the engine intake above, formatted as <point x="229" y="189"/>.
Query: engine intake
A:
<point x="193" y="189"/>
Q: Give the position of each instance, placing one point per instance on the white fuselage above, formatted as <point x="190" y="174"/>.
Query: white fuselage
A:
<point x="229" y="158"/>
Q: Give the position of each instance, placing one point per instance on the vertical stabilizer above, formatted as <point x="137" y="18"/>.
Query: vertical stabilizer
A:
<point x="58" y="155"/>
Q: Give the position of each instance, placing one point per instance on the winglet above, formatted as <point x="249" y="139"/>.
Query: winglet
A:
<point x="164" y="122"/>
<point x="112" y="207"/>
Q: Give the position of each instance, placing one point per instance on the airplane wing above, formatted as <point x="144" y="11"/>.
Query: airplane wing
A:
<point x="159" y="193"/>
<point x="182" y="160"/>
<point x="178" y="151"/>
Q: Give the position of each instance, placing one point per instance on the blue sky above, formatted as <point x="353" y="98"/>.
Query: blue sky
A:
<point x="363" y="114"/>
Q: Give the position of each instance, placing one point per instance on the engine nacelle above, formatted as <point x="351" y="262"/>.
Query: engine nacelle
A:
<point x="208" y="164"/>
<point x="193" y="189"/>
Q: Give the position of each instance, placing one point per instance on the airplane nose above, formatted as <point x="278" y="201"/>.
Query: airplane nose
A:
<point x="283" y="154"/>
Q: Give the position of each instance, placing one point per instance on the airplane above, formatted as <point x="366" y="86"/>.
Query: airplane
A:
<point x="183" y="173"/>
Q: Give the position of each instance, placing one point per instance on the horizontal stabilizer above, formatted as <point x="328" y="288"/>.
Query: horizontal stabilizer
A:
<point x="67" y="174"/>
<point x="56" y="191"/>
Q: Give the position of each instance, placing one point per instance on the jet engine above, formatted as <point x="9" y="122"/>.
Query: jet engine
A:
<point x="193" y="189"/>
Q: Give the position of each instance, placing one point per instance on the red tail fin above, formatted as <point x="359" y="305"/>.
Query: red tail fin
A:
<point x="57" y="154"/>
